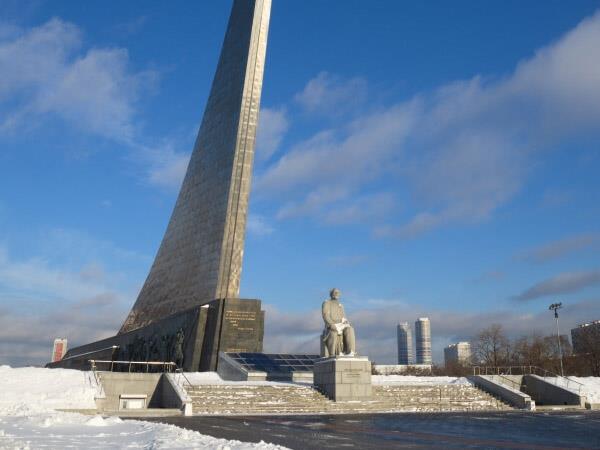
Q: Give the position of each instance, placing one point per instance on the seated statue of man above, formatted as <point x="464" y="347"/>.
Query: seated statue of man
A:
<point x="338" y="336"/>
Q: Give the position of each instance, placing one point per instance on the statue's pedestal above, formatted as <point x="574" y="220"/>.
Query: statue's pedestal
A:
<point x="344" y="378"/>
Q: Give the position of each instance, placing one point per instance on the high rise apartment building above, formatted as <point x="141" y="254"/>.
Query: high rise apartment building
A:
<point x="459" y="353"/>
<point x="423" y="341"/>
<point x="405" y="345"/>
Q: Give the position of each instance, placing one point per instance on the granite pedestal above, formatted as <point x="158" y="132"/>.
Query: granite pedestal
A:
<point x="343" y="378"/>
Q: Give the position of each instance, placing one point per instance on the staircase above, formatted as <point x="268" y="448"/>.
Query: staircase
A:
<point x="248" y="399"/>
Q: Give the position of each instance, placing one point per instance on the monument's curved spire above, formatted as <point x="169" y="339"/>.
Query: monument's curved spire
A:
<point x="200" y="257"/>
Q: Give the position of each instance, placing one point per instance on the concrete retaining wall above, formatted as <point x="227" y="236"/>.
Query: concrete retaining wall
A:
<point x="228" y="369"/>
<point x="116" y="384"/>
<point x="173" y="395"/>
<point x="161" y="391"/>
<point x="508" y="394"/>
<point x="547" y="393"/>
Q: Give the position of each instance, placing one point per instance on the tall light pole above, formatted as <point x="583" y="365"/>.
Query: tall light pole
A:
<point x="555" y="307"/>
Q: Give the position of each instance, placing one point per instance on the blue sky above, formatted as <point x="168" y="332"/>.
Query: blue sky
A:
<point x="433" y="158"/>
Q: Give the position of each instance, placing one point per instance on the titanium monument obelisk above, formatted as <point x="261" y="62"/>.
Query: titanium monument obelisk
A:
<point x="200" y="258"/>
<point x="188" y="309"/>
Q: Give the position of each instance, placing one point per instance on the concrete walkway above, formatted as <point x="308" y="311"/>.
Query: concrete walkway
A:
<point x="393" y="431"/>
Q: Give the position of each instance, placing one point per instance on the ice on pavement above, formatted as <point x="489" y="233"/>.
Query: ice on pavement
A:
<point x="29" y="398"/>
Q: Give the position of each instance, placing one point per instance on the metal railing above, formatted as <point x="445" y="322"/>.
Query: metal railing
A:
<point x="94" y="381"/>
<point x="547" y="375"/>
<point x="182" y="381"/>
<point x="511" y="383"/>
<point x="166" y="366"/>
<point x="112" y="347"/>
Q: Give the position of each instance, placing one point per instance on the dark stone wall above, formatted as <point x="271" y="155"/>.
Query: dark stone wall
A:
<point x="192" y="339"/>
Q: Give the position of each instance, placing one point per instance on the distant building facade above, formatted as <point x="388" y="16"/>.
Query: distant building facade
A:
<point x="59" y="349"/>
<point x="423" y="341"/>
<point x="585" y="336"/>
<point x="405" y="346"/>
<point x="459" y="353"/>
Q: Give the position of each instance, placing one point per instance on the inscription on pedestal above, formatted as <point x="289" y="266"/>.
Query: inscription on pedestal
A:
<point x="343" y="378"/>
<point x="242" y="326"/>
<point x="241" y="320"/>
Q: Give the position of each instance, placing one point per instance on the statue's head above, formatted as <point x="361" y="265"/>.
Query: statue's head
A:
<point x="334" y="294"/>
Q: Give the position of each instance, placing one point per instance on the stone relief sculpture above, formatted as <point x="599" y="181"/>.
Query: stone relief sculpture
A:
<point x="178" y="348"/>
<point x="155" y="348"/>
<point x="338" y="335"/>
<point x="164" y="348"/>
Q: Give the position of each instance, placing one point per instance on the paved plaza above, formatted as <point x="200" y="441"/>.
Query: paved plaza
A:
<point x="514" y="430"/>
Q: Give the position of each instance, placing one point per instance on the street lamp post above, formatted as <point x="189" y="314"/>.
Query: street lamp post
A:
<point x="555" y="307"/>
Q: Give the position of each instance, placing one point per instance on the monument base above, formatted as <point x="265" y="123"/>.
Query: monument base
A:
<point x="192" y="339"/>
<point x="344" y="378"/>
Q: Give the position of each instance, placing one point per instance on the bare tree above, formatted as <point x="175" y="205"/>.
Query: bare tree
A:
<point x="492" y="347"/>
<point x="532" y="350"/>
<point x="540" y="351"/>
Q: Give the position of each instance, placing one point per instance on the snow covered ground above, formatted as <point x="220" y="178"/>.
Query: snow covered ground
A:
<point x="590" y="388"/>
<point x="411" y="379"/>
<point x="30" y="396"/>
<point x="212" y="378"/>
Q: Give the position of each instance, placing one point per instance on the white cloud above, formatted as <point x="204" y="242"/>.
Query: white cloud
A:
<point x="313" y="202"/>
<point x="272" y="126"/>
<point x="333" y="164"/>
<point x="460" y="152"/>
<point x="258" y="225"/>
<point x="44" y="73"/>
<point x="167" y="167"/>
<point x="564" y="283"/>
<point x="562" y="247"/>
<point x="361" y="209"/>
<point x="78" y="247"/>
<point x="328" y="94"/>
<point x="35" y="277"/>
<point x="66" y="290"/>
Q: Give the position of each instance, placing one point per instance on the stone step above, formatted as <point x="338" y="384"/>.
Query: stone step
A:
<point x="293" y="399"/>
<point x="322" y="404"/>
<point x="321" y="401"/>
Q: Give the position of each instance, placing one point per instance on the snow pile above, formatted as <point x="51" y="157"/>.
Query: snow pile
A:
<point x="28" y="390"/>
<point x="586" y="386"/>
<point x="63" y="430"/>
<point x="418" y="380"/>
<point x="590" y="388"/>
<point x="28" y="420"/>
